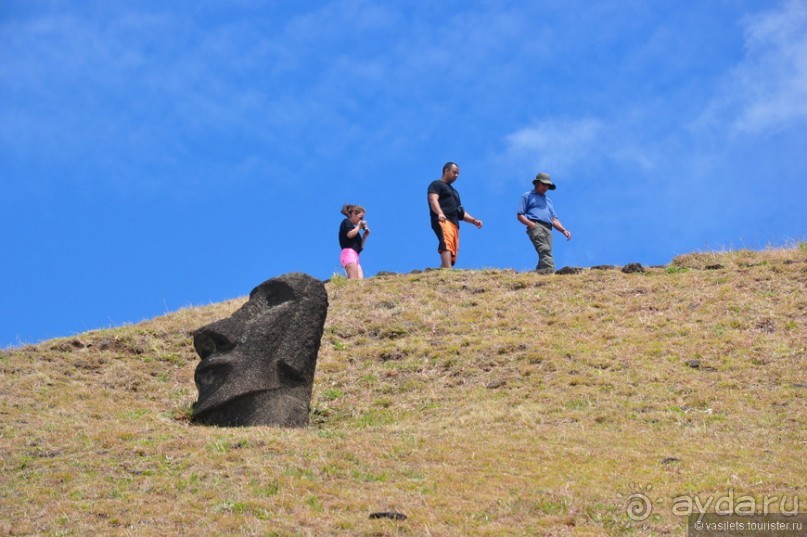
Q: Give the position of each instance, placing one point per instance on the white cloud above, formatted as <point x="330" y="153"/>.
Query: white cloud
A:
<point x="570" y="146"/>
<point x="556" y="144"/>
<point x="765" y="92"/>
<point x="770" y="85"/>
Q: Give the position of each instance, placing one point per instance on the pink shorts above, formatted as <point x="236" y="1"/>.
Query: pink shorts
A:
<point x="349" y="255"/>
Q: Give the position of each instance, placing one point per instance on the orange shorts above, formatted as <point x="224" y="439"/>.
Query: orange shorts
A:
<point x="449" y="236"/>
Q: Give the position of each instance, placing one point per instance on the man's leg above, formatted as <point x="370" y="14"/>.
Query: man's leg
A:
<point x="441" y="245"/>
<point x="451" y="236"/>
<point x="541" y="238"/>
<point x="448" y="242"/>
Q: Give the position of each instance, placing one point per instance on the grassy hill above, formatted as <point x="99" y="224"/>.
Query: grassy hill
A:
<point x="475" y="402"/>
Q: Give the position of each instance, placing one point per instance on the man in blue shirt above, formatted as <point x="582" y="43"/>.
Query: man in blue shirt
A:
<point x="536" y="212"/>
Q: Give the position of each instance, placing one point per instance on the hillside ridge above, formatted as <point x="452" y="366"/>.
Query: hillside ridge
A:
<point x="486" y="402"/>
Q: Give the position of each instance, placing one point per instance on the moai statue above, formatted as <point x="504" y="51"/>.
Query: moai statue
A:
<point x="258" y="364"/>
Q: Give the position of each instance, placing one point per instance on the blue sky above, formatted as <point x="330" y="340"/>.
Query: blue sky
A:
<point x="156" y="155"/>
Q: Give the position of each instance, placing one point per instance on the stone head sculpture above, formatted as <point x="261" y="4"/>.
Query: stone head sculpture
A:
<point x="257" y="366"/>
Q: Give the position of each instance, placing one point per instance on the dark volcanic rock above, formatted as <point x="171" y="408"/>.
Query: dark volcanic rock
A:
<point x="392" y="515"/>
<point x="495" y="384"/>
<point x="258" y="364"/>
<point x="569" y="270"/>
<point x="631" y="268"/>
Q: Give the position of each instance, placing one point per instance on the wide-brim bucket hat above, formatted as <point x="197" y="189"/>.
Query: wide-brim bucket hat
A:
<point x="544" y="178"/>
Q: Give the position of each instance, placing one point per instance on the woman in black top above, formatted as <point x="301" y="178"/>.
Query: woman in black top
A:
<point x="351" y="239"/>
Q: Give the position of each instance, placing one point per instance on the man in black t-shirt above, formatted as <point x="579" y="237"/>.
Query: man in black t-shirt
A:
<point x="446" y="212"/>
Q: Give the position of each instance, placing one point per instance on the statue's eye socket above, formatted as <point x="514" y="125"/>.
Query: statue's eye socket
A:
<point x="208" y="342"/>
<point x="273" y="293"/>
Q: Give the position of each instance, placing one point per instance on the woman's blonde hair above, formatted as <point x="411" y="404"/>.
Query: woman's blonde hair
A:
<point x="348" y="209"/>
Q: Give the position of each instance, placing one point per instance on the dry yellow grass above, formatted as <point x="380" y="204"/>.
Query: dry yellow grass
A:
<point x="475" y="402"/>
